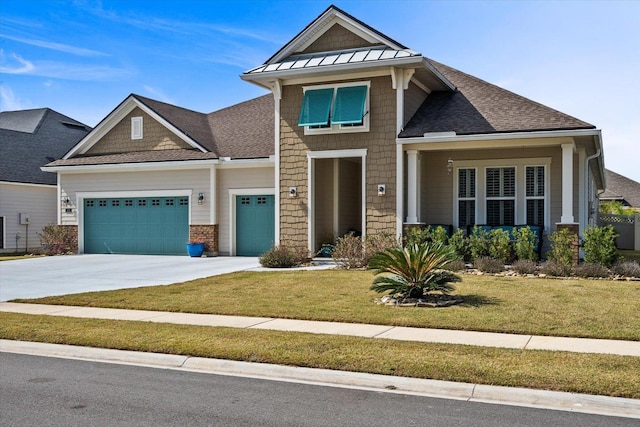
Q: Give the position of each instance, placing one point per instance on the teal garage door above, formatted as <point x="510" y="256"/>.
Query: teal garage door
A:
<point x="149" y="225"/>
<point x="255" y="224"/>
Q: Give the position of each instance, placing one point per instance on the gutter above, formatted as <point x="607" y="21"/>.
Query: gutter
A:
<point x="444" y="137"/>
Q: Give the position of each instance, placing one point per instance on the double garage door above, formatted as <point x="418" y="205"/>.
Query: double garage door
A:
<point x="149" y="225"/>
<point x="160" y="225"/>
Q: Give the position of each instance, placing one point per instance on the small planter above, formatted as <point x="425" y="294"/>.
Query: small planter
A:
<point x="195" y="249"/>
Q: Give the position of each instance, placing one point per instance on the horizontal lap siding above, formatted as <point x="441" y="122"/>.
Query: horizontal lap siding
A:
<point x="437" y="192"/>
<point x="38" y="202"/>
<point x="227" y="179"/>
<point x="196" y="180"/>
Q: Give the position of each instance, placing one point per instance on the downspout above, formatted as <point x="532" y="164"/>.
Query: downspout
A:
<point x="586" y="177"/>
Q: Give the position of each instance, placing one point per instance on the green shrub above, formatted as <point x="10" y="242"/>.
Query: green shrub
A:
<point x="488" y="264"/>
<point x="600" y="245"/>
<point x="525" y="266"/>
<point x="500" y="245"/>
<point x="626" y="269"/>
<point x="56" y="239"/>
<point x="414" y="271"/>
<point x="416" y="236"/>
<point x="525" y="243"/>
<point x="555" y="268"/>
<point x="591" y="270"/>
<point x="479" y="243"/>
<point x="283" y="257"/>
<point x="421" y="236"/>
<point x="561" y="247"/>
<point x="461" y="245"/>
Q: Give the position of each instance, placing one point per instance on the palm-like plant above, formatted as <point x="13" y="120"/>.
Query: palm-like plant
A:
<point x="415" y="270"/>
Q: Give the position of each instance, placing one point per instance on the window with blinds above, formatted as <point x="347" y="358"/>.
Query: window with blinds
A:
<point x="466" y="197"/>
<point x="534" y="194"/>
<point x="501" y="196"/>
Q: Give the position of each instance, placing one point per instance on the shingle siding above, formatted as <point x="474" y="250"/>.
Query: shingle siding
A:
<point x="155" y="136"/>
<point x="336" y="38"/>
<point x="380" y="160"/>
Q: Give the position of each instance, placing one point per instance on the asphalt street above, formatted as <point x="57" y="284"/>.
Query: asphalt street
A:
<point x="62" y="392"/>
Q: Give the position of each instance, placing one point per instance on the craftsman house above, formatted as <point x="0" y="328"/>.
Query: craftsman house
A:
<point x="359" y="134"/>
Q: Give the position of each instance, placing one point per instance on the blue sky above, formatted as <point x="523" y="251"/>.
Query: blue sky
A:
<point x="82" y="58"/>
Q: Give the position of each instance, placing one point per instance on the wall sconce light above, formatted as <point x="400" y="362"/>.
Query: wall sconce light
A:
<point x="449" y="166"/>
<point x="381" y="189"/>
<point x="67" y="201"/>
<point x="293" y="191"/>
<point x="200" y="198"/>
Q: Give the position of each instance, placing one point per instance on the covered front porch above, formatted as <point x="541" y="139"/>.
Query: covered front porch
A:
<point x="546" y="179"/>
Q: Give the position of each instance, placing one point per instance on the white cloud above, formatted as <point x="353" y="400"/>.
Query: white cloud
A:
<point x="56" y="46"/>
<point x="158" y="94"/>
<point x="15" y="64"/>
<point x="9" y="101"/>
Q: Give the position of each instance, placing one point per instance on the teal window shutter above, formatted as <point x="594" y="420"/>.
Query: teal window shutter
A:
<point x="316" y="107"/>
<point x="349" y="106"/>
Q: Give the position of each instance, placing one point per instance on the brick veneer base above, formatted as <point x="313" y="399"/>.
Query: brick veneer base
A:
<point x="207" y="234"/>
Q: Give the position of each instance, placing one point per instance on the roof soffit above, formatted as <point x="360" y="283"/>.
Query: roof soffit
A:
<point x="115" y="117"/>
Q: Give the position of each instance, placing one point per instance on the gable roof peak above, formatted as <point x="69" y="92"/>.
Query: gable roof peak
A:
<point x="333" y="15"/>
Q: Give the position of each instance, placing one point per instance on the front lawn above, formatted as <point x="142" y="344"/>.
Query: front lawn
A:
<point x="575" y="307"/>
<point x="562" y="371"/>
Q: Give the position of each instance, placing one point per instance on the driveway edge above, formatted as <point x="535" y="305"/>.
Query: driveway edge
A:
<point x="601" y="405"/>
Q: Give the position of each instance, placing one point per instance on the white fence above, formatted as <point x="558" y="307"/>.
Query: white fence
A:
<point x="628" y="228"/>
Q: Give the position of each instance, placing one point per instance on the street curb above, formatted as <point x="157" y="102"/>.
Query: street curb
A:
<point x="584" y="403"/>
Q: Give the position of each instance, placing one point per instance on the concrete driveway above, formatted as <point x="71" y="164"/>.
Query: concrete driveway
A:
<point x="70" y="274"/>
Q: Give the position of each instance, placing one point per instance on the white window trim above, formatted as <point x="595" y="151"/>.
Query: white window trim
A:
<point x="136" y="125"/>
<point x="520" y="165"/>
<point x="341" y="128"/>
<point x="81" y="196"/>
<point x="233" y="193"/>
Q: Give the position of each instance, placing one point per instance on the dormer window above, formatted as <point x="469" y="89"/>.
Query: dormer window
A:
<point x="136" y="127"/>
<point x="335" y="108"/>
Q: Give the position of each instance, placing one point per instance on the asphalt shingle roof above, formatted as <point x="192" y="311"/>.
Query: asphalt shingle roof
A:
<point x="30" y="139"/>
<point x="621" y="187"/>
<point x="478" y="107"/>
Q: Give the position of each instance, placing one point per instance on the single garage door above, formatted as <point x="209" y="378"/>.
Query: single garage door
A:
<point x="149" y="225"/>
<point x="255" y="224"/>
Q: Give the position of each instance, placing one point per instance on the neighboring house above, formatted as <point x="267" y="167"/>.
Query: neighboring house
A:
<point x="621" y="189"/>
<point x="359" y="134"/>
<point x="29" y="139"/>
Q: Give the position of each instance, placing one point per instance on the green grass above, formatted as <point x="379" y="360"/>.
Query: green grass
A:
<point x="575" y="308"/>
<point x="562" y="371"/>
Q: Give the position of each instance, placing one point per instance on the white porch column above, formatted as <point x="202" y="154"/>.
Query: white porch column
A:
<point x="567" y="184"/>
<point x="412" y="186"/>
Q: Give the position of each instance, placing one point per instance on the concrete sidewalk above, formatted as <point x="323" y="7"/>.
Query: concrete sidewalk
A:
<point x="484" y="339"/>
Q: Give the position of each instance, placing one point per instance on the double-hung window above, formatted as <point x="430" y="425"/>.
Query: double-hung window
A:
<point x="466" y="197"/>
<point x="335" y="108"/>
<point x="501" y="196"/>
<point x="535" y="190"/>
